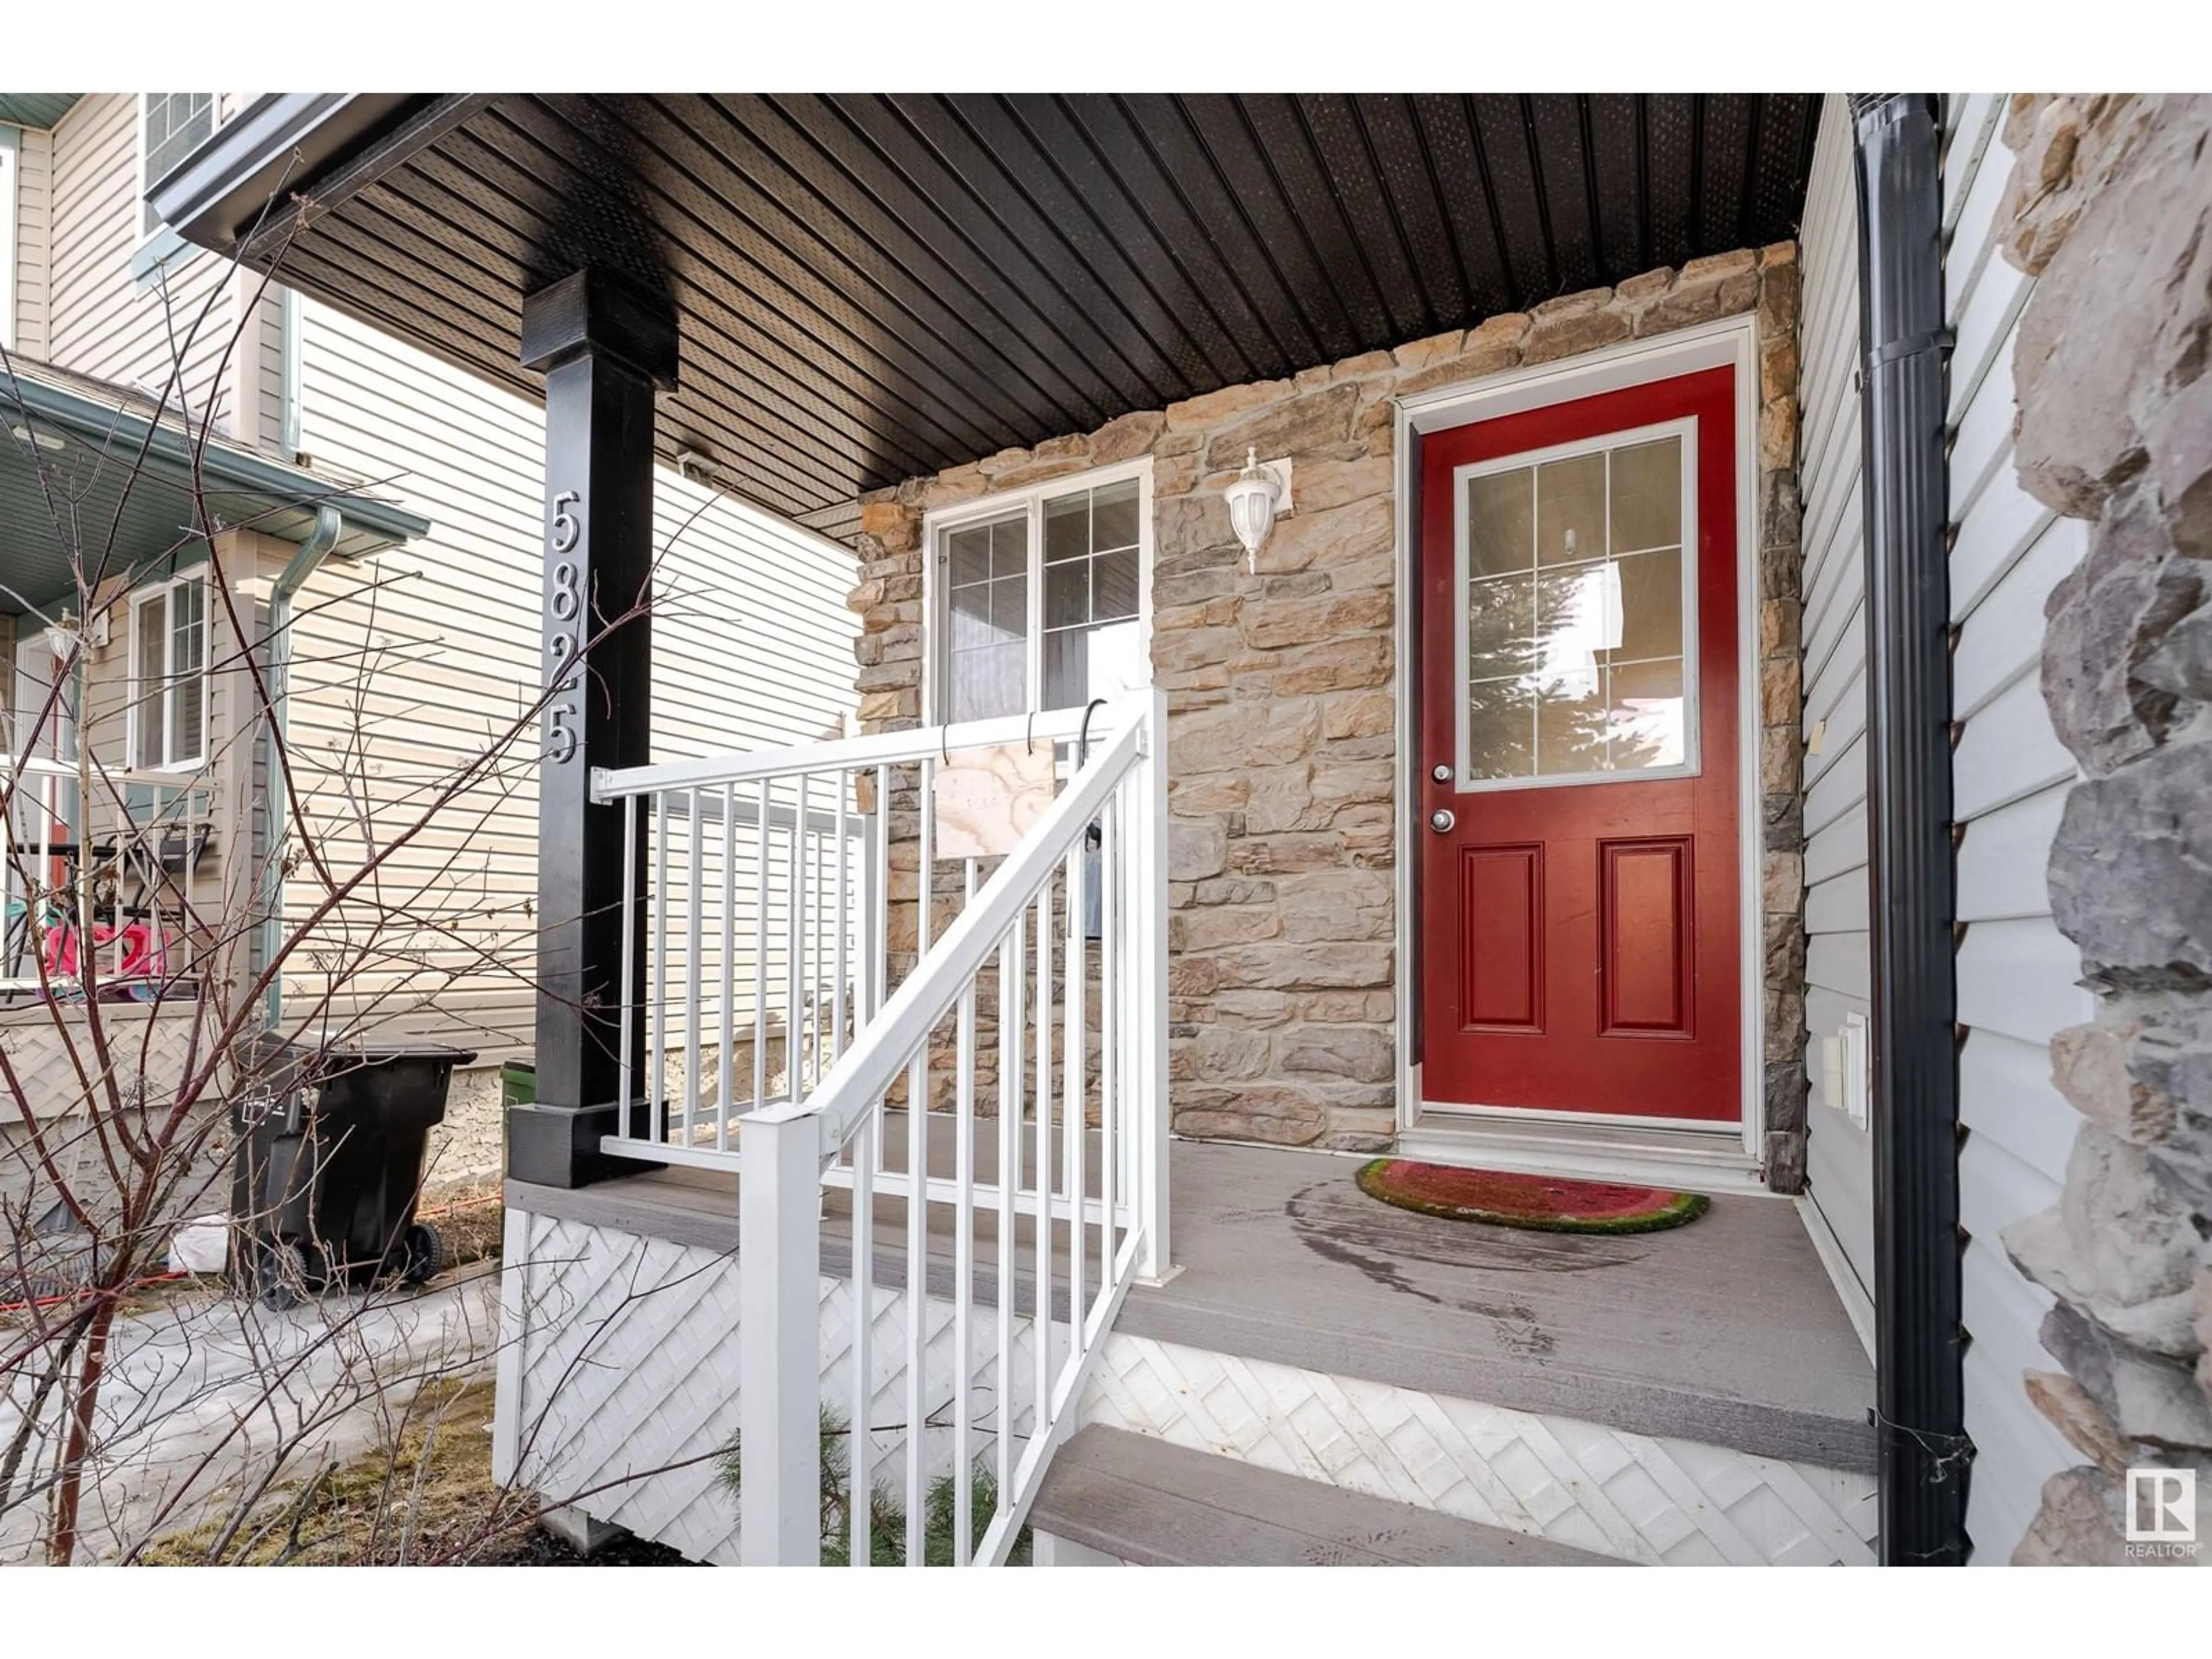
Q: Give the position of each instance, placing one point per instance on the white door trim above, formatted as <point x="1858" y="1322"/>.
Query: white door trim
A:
<point x="1585" y="1143"/>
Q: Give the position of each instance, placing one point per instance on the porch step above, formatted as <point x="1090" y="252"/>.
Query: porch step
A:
<point x="1147" y="1503"/>
<point x="1692" y="1396"/>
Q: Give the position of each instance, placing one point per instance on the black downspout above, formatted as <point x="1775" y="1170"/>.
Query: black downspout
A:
<point x="1919" y="1343"/>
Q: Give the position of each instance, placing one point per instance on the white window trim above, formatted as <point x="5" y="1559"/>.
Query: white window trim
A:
<point x="138" y="708"/>
<point x="936" y="656"/>
<point x="142" y="240"/>
<point x="1692" y="745"/>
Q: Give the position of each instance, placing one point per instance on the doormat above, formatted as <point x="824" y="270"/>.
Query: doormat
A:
<point x="1544" y="1204"/>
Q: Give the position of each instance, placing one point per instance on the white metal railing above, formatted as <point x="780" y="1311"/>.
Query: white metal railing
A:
<point x="767" y="916"/>
<point x="1030" y="1208"/>
<point x="761" y="919"/>
<point x="120" y="864"/>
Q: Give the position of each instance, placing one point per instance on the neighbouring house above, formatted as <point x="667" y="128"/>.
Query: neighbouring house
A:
<point x="404" y="626"/>
<point x="1656" y="641"/>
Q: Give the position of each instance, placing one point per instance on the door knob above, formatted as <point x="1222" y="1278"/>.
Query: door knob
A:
<point x="1441" y="821"/>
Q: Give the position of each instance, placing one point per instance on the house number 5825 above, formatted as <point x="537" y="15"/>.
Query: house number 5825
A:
<point x="563" y="609"/>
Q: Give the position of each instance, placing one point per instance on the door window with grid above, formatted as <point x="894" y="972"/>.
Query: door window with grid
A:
<point x="1041" y="600"/>
<point x="1577" y="586"/>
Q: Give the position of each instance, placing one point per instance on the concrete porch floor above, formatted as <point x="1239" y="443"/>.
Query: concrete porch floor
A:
<point x="1726" y="1331"/>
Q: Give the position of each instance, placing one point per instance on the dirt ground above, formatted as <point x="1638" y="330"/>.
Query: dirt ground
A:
<point x="470" y="1219"/>
<point x="540" y="1548"/>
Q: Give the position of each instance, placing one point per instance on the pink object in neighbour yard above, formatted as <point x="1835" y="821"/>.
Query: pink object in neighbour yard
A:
<point x="142" y="951"/>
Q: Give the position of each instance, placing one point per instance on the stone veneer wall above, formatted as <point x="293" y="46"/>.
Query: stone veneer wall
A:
<point x="1282" y="755"/>
<point x="2110" y="206"/>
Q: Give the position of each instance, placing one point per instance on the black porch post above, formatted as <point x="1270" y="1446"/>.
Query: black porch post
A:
<point x="603" y="344"/>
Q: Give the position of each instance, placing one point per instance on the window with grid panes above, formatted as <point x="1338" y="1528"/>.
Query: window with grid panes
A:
<point x="1041" y="600"/>
<point x="168" y="675"/>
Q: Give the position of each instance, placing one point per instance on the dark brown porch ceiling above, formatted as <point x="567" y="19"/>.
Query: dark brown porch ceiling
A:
<point x="870" y="287"/>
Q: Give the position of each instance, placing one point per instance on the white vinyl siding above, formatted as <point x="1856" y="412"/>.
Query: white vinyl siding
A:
<point x="2017" y="974"/>
<point x="270" y="377"/>
<point x="1839" y="1154"/>
<point x="431" y="649"/>
<point x="34" y="235"/>
<point x="100" y="320"/>
<point x="11" y="170"/>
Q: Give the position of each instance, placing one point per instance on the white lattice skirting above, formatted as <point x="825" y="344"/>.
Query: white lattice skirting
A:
<point x="155" y="1044"/>
<point x="619" y="1378"/>
<point x="1631" y="1496"/>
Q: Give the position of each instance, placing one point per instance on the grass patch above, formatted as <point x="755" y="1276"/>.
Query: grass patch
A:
<point x="429" y="1496"/>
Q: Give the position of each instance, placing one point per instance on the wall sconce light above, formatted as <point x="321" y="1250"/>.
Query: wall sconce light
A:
<point x="1256" y="495"/>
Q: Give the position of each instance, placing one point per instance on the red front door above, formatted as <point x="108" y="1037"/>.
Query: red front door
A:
<point x="1579" y="756"/>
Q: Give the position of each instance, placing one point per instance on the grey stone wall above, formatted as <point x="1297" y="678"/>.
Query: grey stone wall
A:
<point x="2109" y="205"/>
<point x="1282" y="757"/>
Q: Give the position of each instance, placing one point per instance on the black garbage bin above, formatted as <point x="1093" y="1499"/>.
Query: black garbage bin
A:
<point x="329" y="1162"/>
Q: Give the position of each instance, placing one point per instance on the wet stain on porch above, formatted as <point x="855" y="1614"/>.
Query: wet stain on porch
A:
<point x="1340" y="1224"/>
